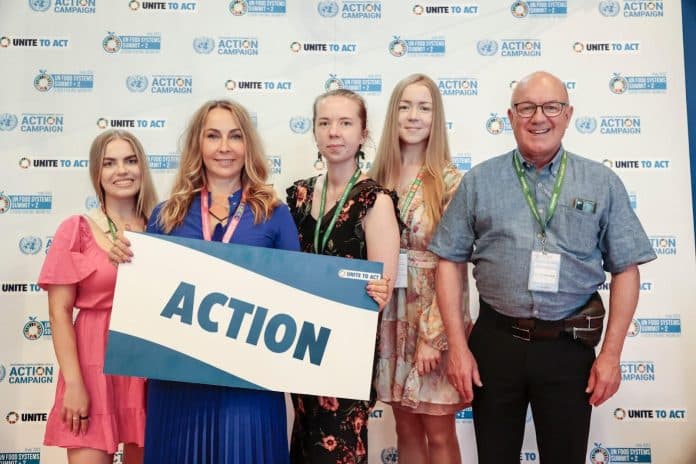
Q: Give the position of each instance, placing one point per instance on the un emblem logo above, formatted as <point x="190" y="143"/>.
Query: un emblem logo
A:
<point x="5" y="41"/>
<point x="43" y="82"/>
<point x="487" y="47"/>
<point x="238" y="7"/>
<point x="618" y="84"/>
<point x="12" y="417"/>
<point x="136" y="83"/>
<point x="91" y="202"/>
<point x="30" y="245"/>
<point x="24" y="162"/>
<point x="203" y="45"/>
<point x="586" y="124"/>
<point x="389" y="455"/>
<point x="327" y="8"/>
<point x="300" y="125"/>
<point x="519" y="9"/>
<point x="609" y="7"/>
<point x="8" y="121"/>
<point x="3" y="372"/>
<point x="111" y="43"/>
<point x="40" y="5"/>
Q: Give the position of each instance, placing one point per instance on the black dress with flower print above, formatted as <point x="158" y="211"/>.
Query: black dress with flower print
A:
<point x="332" y="430"/>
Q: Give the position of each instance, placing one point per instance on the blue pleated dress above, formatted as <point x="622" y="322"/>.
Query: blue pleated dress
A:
<point x="202" y="424"/>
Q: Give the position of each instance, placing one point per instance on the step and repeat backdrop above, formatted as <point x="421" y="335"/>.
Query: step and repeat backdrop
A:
<point x="73" y="68"/>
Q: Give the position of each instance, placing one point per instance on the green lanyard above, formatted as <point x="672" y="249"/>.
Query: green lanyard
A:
<point x="112" y="228"/>
<point x="531" y="202"/>
<point x="403" y="210"/>
<point x="339" y="207"/>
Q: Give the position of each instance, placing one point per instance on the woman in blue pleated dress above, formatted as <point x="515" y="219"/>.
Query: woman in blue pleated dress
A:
<point x="220" y="193"/>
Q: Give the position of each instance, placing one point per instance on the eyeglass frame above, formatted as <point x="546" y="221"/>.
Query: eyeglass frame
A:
<point x="536" y="107"/>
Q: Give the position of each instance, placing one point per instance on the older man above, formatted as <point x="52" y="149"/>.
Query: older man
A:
<point x="540" y="225"/>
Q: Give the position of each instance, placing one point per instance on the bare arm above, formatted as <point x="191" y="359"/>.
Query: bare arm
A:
<point x="462" y="369"/>
<point x="76" y="399"/>
<point x="382" y="238"/>
<point x="605" y="376"/>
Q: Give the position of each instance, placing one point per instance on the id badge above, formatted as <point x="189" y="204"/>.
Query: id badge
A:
<point x="544" y="271"/>
<point x="402" y="273"/>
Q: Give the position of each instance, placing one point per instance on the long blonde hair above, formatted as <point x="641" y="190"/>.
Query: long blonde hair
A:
<point x="191" y="176"/>
<point x="386" y="168"/>
<point x="147" y="196"/>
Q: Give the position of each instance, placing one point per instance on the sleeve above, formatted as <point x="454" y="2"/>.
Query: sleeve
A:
<point x="430" y="326"/>
<point x="367" y="197"/>
<point x="452" y="179"/>
<point x="454" y="235"/>
<point x="297" y="199"/>
<point x="286" y="237"/>
<point x="65" y="264"/>
<point x="622" y="241"/>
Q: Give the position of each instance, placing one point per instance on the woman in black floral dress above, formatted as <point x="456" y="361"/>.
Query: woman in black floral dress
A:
<point x="358" y="219"/>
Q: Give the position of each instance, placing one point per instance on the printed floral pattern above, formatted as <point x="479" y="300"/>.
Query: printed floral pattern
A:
<point x="413" y="316"/>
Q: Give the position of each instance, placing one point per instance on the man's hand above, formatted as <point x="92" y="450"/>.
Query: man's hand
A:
<point x="605" y="378"/>
<point x="462" y="372"/>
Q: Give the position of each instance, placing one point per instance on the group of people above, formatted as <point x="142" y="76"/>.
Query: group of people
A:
<point x="539" y="224"/>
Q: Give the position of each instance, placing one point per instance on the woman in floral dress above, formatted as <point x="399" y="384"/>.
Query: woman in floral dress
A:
<point x="414" y="159"/>
<point x="360" y="222"/>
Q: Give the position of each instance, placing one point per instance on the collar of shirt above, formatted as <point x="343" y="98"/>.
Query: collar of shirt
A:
<point x="552" y="167"/>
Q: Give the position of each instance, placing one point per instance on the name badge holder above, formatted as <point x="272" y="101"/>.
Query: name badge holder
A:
<point x="544" y="267"/>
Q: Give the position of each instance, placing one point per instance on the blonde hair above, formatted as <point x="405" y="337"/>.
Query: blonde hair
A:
<point x="191" y="176"/>
<point x="386" y="168"/>
<point x="147" y="196"/>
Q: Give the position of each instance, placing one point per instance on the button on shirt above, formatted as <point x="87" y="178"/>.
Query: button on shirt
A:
<point x="489" y="223"/>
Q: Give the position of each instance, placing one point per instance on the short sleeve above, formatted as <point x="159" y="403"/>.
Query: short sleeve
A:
<point x="623" y="241"/>
<point x="452" y="177"/>
<point x="454" y="235"/>
<point x="299" y="198"/>
<point x="65" y="263"/>
<point x="368" y="195"/>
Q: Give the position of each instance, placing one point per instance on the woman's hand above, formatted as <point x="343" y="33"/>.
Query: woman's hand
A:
<point x="120" y="252"/>
<point x="379" y="291"/>
<point x="427" y="358"/>
<point x="75" y="412"/>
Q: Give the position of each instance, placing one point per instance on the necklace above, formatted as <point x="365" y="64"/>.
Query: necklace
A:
<point x="219" y="219"/>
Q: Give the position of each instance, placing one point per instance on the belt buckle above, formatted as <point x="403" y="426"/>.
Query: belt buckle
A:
<point x="589" y="320"/>
<point x="526" y="333"/>
<point x="577" y="330"/>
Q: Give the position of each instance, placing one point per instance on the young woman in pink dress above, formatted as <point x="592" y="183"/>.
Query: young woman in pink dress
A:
<point x="94" y="412"/>
<point x="413" y="158"/>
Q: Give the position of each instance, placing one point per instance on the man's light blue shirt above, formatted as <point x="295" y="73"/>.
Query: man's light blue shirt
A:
<point x="489" y="223"/>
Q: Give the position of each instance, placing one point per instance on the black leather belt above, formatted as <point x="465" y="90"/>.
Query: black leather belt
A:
<point x="532" y="329"/>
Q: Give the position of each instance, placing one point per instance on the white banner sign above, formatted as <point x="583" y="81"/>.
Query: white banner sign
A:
<point x="206" y="312"/>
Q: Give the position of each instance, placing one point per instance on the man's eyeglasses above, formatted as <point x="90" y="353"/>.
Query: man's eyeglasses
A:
<point x="528" y="109"/>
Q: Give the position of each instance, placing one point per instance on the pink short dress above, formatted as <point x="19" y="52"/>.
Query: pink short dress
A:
<point x="117" y="404"/>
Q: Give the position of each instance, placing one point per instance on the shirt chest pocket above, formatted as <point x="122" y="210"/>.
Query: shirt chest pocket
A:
<point x="576" y="232"/>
